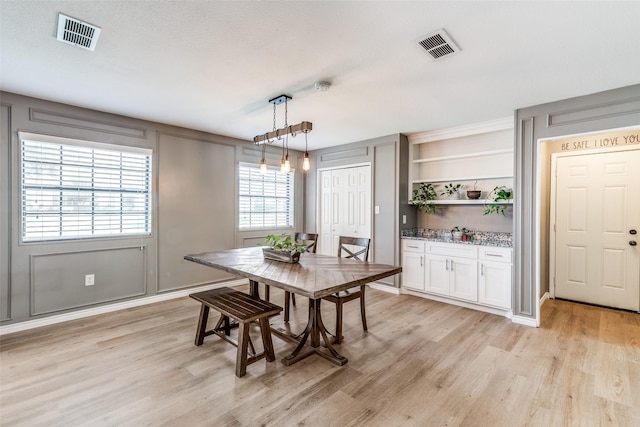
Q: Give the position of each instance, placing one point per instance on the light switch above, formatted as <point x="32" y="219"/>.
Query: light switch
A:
<point x="377" y="210"/>
<point x="404" y="219"/>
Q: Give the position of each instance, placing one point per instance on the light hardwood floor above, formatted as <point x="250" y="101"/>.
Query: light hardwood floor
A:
<point x="422" y="363"/>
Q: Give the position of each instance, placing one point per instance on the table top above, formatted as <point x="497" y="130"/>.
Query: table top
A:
<point x="315" y="276"/>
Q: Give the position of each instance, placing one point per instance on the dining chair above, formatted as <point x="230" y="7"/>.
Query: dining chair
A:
<point x="354" y="248"/>
<point x="311" y="240"/>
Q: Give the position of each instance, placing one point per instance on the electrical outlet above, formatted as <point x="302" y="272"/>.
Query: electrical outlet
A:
<point x="89" y="279"/>
<point x="404" y="219"/>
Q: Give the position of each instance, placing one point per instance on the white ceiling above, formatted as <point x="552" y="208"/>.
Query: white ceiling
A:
<point x="212" y="65"/>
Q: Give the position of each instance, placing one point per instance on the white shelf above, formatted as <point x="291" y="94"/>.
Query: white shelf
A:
<point x="466" y="202"/>
<point x="464" y="156"/>
<point x="456" y="179"/>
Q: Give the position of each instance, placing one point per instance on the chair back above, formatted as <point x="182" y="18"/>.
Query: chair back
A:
<point x="309" y="239"/>
<point x="354" y="247"/>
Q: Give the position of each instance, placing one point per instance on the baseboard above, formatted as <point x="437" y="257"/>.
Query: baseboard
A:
<point x="65" y="317"/>
<point x="460" y="303"/>
<point x="385" y="288"/>
<point x="544" y="298"/>
<point x="527" y="321"/>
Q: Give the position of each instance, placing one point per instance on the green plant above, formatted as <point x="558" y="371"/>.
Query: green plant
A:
<point x="455" y="229"/>
<point x="285" y="243"/>
<point x="451" y="189"/>
<point x="497" y="195"/>
<point x="423" y="196"/>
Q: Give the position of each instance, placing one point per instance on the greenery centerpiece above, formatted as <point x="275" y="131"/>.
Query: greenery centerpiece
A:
<point x="492" y="202"/>
<point x="283" y="248"/>
<point x="423" y="197"/>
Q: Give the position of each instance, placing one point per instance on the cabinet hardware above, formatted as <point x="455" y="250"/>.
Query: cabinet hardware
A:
<point x="482" y="269"/>
<point x="413" y="247"/>
<point x="496" y="255"/>
<point x="421" y="261"/>
<point x="447" y="265"/>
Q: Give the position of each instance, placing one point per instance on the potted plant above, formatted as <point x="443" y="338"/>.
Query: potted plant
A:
<point x="423" y="197"/>
<point x="283" y="248"/>
<point x="492" y="202"/>
<point x="466" y="234"/>
<point x="474" y="194"/>
<point x="452" y="190"/>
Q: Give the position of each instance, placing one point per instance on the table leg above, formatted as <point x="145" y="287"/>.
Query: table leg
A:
<point x="315" y="330"/>
<point x="253" y="289"/>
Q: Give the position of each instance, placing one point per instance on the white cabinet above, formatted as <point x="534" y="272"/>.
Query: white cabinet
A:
<point x="413" y="262"/>
<point x="452" y="270"/>
<point x="494" y="277"/>
<point x="477" y="274"/>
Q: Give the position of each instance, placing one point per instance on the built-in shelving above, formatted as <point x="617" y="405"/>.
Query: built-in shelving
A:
<point x="481" y="152"/>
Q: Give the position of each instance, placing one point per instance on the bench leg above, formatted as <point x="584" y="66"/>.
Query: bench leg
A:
<point x="202" y="324"/>
<point x="243" y="344"/>
<point x="267" y="343"/>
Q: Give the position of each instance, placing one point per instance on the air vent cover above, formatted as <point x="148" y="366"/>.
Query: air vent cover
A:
<point x="77" y="33"/>
<point x="439" y="44"/>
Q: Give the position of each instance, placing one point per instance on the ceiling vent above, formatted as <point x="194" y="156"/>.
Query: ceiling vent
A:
<point x="439" y="44"/>
<point x="77" y="33"/>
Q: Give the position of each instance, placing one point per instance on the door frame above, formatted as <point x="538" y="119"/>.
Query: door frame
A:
<point x="552" y="203"/>
<point x="319" y="195"/>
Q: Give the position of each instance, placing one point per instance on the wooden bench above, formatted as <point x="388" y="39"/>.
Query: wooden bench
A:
<point x="244" y="309"/>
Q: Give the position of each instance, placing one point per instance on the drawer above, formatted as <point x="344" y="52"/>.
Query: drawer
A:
<point x="488" y="253"/>
<point x="409" y="245"/>
<point x="453" y="249"/>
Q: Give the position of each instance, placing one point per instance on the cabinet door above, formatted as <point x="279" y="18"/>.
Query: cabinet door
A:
<point x="463" y="278"/>
<point x="413" y="270"/>
<point x="437" y="274"/>
<point x="494" y="284"/>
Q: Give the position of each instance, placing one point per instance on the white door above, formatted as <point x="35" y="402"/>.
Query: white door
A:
<point x="345" y="206"/>
<point x="597" y="210"/>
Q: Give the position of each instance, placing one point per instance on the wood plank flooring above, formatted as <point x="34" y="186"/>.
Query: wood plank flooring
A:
<point x="422" y="363"/>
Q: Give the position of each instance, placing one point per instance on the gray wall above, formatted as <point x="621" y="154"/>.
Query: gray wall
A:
<point x="388" y="156"/>
<point x="597" y="112"/>
<point x="195" y="206"/>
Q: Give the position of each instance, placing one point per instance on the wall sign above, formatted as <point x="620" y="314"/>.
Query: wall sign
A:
<point x="597" y="141"/>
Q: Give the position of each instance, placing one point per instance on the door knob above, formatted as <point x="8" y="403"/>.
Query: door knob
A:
<point x="633" y="232"/>
<point x="632" y="243"/>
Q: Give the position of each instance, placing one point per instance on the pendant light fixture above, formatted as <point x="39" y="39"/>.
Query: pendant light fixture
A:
<point x="283" y="134"/>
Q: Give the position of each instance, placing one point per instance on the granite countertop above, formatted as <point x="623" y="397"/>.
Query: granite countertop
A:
<point x="479" y="238"/>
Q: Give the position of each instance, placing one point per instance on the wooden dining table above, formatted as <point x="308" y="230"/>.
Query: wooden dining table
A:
<point x="314" y="276"/>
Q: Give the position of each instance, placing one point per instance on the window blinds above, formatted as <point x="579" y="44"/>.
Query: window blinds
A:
<point x="265" y="201"/>
<point x="72" y="191"/>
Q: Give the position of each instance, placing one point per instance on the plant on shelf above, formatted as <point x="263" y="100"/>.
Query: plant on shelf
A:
<point x="452" y="190"/>
<point x="423" y="197"/>
<point x="475" y="193"/>
<point x="492" y="202"/>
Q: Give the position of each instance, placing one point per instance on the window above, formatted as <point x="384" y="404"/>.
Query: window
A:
<point x="265" y="201"/>
<point x="76" y="189"/>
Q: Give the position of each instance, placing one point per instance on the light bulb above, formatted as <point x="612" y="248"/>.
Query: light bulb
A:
<point x="263" y="167"/>
<point x="283" y="166"/>
<point x="306" y="163"/>
<point x="287" y="164"/>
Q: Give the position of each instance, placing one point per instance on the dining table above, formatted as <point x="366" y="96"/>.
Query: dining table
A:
<point x="314" y="276"/>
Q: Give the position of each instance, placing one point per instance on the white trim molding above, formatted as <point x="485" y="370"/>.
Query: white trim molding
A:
<point x="80" y="314"/>
<point x="460" y="131"/>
